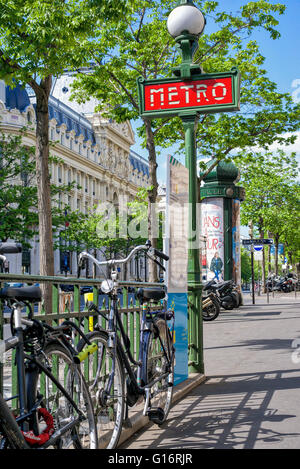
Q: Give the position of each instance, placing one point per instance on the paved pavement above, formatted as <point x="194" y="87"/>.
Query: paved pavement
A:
<point x="252" y="393"/>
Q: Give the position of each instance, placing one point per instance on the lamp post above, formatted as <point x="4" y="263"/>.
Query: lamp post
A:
<point x="189" y="93"/>
<point x="186" y="23"/>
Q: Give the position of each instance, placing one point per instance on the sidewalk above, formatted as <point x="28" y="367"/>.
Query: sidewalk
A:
<point x="252" y="393"/>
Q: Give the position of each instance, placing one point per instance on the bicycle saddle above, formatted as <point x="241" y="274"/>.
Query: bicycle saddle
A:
<point x="32" y="294"/>
<point x="150" y="294"/>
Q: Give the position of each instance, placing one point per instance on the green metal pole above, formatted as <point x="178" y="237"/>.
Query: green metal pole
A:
<point x="195" y="323"/>
<point x="188" y="45"/>
<point x="228" y="268"/>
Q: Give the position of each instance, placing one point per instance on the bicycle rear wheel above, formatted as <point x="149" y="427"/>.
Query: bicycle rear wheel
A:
<point x="84" y="434"/>
<point x="109" y="410"/>
<point x="158" y="358"/>
<point x="10" y="433"/>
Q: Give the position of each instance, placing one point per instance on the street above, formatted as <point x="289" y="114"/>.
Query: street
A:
<point x="251" y="397"/>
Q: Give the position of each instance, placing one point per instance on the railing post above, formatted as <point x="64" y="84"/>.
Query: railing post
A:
<point x="1" y="338"/>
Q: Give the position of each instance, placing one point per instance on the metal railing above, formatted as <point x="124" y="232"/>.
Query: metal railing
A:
<point x="72" y="305"/>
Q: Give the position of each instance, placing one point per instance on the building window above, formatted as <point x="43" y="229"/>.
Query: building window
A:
<point x="59" y="174"/>
<point x="94" y="188"/>
<point x="86" y="184"/>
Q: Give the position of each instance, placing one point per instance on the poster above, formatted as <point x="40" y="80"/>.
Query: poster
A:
<point x="236" y="245"/>
<point x="176" y="247"/>
<point x="212" y="227"/>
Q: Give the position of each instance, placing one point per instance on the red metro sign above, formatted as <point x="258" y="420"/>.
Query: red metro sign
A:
<point x="202" y="94"/>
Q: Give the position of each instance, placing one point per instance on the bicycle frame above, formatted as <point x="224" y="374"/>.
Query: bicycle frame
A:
<point x="114" y="343"/>
<point x="114" y="322"/>
<point x="25" y="413"/>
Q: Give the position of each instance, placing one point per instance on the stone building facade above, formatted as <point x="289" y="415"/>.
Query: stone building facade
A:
<point x="92" y="151"/>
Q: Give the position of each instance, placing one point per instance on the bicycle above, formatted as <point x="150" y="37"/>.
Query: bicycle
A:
<point x="55" y="408"/>
<point x="151" y="376"/>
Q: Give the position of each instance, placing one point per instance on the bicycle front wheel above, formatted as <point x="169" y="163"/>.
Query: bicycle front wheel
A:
<point x="82" y="435"/>
<point x="158" y="359"/>
<point x="109" y="408"/>
<point x="10" y="433"/>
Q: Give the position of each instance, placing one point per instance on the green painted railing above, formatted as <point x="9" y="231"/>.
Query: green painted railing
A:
<point x="70" y="305"/>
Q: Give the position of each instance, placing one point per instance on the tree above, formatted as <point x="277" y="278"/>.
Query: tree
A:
<point x="272" y="192"/>
<point x="141" y="46"/>
<point x="18" y="215"/>
<point x="245" y="266"/>
<point x="104" y="228"/>
<point x="283" y="221"/>
<point x="18" y="191"/>
<point x="38" y="39"/>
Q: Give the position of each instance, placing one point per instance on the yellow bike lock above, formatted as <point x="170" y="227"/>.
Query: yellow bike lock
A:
<point x="85" y="353"/>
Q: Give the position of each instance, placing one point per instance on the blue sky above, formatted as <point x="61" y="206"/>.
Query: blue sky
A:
<point x="282" y="62"/>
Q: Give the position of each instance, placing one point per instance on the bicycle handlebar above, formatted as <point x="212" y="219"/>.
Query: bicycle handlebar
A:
<point x="113" y="262"/>
<point x="160" y="254"/>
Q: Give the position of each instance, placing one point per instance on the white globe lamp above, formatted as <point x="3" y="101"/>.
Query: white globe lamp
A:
<point x="184" y="19"/>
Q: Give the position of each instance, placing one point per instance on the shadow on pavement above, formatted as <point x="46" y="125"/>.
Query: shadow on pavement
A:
<point x="228" y="412"/>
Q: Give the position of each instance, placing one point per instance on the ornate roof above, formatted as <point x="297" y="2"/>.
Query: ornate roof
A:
<point x="16" y="98"/>
<point x="20" y="98"/>
<point x="224" y="173"/>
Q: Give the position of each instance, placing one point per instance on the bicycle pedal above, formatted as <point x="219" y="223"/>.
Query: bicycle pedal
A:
<point x="156" y="415"/>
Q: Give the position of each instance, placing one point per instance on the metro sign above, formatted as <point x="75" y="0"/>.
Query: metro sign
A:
<point x="202" y="94"/>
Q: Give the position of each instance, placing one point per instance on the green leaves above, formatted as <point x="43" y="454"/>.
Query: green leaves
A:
<point x="18" y="192"/>
<point x="42" y="37"/>
<point x="272" y="195"/>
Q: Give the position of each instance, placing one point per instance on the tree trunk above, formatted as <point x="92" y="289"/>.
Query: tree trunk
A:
<point x="43" y="188"/>
<point x="276" y="253"/>
<point x="152" y="197"/>
<point x="262" y="235"/>
<point x="269" y="261"/>
<point x="94" y="265"/>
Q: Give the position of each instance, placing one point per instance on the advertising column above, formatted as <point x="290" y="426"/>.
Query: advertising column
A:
<point x="236" y="245"/>
<point x="176" y="246"/>
<point x="212" y="227"/>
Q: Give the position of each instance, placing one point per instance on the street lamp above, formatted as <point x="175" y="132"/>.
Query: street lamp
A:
<point x="186" y="23"/>
<point x="185" y="18"/>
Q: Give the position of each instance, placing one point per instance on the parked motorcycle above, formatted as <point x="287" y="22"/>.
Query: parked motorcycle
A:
<point x="285" y="284"/>
<point x="226" y="292"/>
<point x="210" y="307"/>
